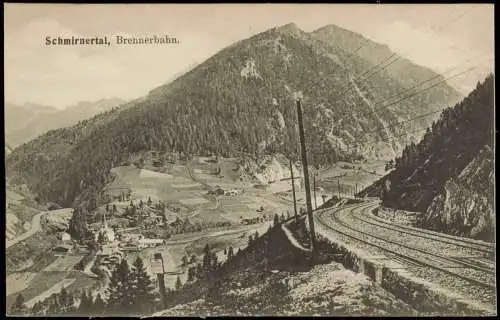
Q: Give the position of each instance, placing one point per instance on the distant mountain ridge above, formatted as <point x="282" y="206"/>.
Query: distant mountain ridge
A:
<point x="27" y="121"/>
<point x="239" y="101"/>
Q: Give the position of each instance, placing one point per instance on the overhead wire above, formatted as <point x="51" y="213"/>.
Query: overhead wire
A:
<point x="400" y="55"/>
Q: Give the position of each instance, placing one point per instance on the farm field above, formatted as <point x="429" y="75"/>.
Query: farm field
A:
<point x="64" y="283"/>
<point x="18" y="281"/>
<point x="184" y="187"/>
<point x="351" y="175"/>
<point x="63" y="263"/>
<point x="40" y="283"/>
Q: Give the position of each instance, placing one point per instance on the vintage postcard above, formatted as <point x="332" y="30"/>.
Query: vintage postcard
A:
<point x="249" y="159"/>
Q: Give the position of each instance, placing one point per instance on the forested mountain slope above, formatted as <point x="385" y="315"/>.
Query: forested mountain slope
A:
<point x="239" y="100"/>
<point x="449" y="175"/>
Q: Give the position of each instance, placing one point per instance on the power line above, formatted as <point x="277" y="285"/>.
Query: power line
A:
<point x="405" y="52"/>
<point x="399" y="57"/>
<point x="392" y="138"/>
<point x="415" y="93"/>
<point x="430" y="79"/>
<point x="405" y="121"/>
<point x="416" y="85"/>
<point x="338" y="51"/>
<point x="425" y="89"/>
<point x="409" y="96"/>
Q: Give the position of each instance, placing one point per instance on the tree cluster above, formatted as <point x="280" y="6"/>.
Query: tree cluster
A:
<point x="447" y="147"/>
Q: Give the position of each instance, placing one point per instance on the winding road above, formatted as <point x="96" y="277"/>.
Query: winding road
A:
<point x="35" y="227"/>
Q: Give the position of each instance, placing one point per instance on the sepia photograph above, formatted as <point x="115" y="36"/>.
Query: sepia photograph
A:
<point x="249" y="160"/>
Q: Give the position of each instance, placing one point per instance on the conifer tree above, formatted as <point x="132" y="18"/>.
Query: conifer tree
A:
<point x="178" y="283"/>
<point x="78" y="225"/>
<point x="84" y="306"/>
<point x="19" y="305"/>
<point x="184" y="261"/>
<point x="199" y="270"/>
<point x="37" y="309"/>
<point x="120" y="299"/>
<point x="142" y="287"/>
<point x="191" y="274"/>
<point x="214" y="261"/>
<point x="276" y="219"/>
<point x="99" y="306"/>
<point x="207" y="259"/>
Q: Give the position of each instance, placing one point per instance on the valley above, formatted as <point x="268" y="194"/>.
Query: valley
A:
<point x="184" y="188"/>
<point x="295" y="171"/>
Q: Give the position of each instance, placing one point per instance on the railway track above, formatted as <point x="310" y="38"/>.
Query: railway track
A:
<point x="462" y="246"/>
<point x="488" y="248"/>
<point x="462" y="276"/>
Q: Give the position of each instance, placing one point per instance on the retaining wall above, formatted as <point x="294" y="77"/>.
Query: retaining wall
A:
<point x="422" y="295"/>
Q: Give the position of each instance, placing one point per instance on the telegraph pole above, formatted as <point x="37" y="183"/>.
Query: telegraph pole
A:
<point x="293" y="192"/>
<point x="314" y="190"/>
<point x="306" y="177"/>
<point x="338" y="187"/>
<point x="161" y="278"/>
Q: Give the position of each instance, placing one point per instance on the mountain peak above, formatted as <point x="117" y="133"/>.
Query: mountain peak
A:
<point x="336" y="32"/>
<point x="330" y="27"/>
<point x="289" y="28"/>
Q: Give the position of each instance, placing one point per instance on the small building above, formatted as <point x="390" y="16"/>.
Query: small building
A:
<point x="125" y="230"/>
<point x="83" y="249"/>
<point x="232" y="192"/>
<point x="217" y="192"/>
<point x="105" y="232"/>
<point x="150" y="243"/>
<point x="65" y="237"/>
<point x="62" y="249"/>
<point x="130" y="247"/>
<point x="157" y="220"/>
<point x="109" y="250"/>
<point x="131" y="237"/>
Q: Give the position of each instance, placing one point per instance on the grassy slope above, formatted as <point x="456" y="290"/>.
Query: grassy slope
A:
<point x="250" y="285"/>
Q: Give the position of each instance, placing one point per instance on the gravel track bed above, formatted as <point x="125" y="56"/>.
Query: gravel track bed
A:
<point x="450" y="282"/>
<point x="443" y="242"/>
<point x="441" y="250"/>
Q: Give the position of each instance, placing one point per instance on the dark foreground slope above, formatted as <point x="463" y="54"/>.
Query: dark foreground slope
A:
<point x="449" y="174"/>
<point x="272" y="277"/>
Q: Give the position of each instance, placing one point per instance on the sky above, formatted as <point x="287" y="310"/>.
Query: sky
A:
<point x="437" y="36"/>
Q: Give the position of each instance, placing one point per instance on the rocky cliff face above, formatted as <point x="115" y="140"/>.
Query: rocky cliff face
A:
<point x="270" y="170"/>
<point x="466" y="205"/>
